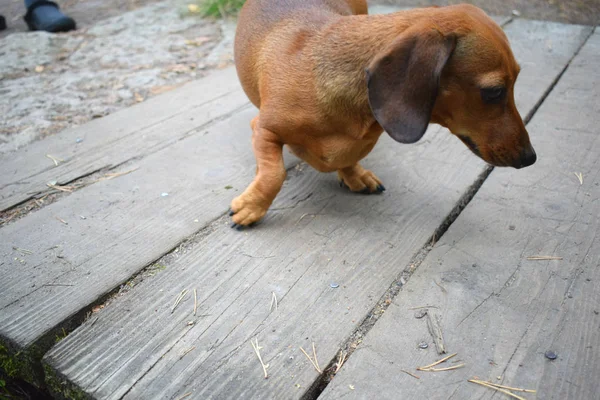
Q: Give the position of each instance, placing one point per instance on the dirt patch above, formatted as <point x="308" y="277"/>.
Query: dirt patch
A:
<point x="585" y="12"/>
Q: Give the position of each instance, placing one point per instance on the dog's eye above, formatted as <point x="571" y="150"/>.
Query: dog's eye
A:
<point x="493" y="95"/>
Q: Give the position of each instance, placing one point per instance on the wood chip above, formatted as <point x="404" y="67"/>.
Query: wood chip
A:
<point x="579" y="176"/>
<point x="435" y="329"/>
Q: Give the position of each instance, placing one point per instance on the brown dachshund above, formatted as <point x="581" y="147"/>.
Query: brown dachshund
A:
<point x="329" y="79"/>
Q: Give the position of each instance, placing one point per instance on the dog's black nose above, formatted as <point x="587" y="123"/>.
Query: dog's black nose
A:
<point x="528" y="157"/>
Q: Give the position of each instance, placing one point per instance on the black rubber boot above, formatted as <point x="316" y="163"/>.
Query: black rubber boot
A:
<point x="43" y="15"/>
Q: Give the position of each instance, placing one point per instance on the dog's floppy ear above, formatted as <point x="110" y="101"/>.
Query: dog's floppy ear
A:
<point x="403" y="81"/>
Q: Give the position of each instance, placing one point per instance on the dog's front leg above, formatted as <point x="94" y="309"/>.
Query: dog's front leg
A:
<point x="252" y="205"/>
<point x="360" y="180"/>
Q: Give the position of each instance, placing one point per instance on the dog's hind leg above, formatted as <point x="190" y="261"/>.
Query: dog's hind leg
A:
<point x="253" y="203"/>
<point x="360" y="180"/>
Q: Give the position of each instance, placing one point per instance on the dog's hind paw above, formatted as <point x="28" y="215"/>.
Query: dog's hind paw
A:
<point x="360" y="180"/>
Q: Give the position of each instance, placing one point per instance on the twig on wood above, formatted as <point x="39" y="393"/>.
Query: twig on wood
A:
<point x="410" y="373"/>
<point x="315" y="363"/>
<point x="257" y="348"/>
<point x="418" y="308"/>
<point x="68" y="189"/>
<point x="497" y="388"/>
<point x="24" y="251"/>
<point x="116" y="175"/>
<point x="185" y="395"/>
<point x="178" y="300"/>
<point x="504" y="387"/>
<point x="273" y="302"/>
<point x="186" y="352"/>
<point x="62" y="220"/>
<point x="341" y="360"/>
<point x="195" y="302"/>
<point x="55" y="159"/>
<point x="579" y="176"/>
<point x="437" y="362"/>
<point x="440" y="286"/>
<point x="543" y="258"/>
<point x="315" y="355"/>
<point x="444" y="369"/>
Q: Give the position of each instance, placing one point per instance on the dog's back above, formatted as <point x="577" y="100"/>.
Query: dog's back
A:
<point x="262" y="18"/>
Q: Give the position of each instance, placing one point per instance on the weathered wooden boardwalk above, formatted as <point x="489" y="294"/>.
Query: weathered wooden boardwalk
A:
<point x="139" y="198"/>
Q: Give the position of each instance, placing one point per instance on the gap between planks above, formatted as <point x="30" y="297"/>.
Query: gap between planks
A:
<point x="350" y="345"/>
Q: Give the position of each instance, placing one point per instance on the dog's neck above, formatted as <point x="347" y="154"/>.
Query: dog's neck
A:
<point x="345" y="51"/>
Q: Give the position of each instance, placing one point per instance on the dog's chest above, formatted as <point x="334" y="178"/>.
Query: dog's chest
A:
<point x="333" y="152"/>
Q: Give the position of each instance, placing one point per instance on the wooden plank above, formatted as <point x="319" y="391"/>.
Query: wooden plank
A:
<point x="502" y="312"/>
<point x="119" y="137"/>
<point x="85" y="245"/>
<point x="316" y="236"/>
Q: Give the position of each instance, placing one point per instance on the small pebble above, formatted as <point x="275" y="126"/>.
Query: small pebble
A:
<point x="551" y="355"/>
<point x="423" y="345"/>
<point x="78" y="140"/>
<point x="420" y="313"/>
<point x="334" y="285"/>
<point x="190" y="323"/>
<point x="512" y="227"/>
<point x="165" y="194"/>
<point x="516" y="13"/>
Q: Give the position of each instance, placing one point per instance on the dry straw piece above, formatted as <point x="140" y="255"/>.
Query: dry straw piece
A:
<point x="502" y="388"/>
<point x="257" y="348"/>
<point x="178" y="300"/>
<point x="429" y="368"/>
<point x="314" y="362"/>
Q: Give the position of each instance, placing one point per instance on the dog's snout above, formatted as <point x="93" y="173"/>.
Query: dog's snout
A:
<point x="528" y="157"/>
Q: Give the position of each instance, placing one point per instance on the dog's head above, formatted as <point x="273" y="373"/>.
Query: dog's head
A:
<point x="463" y="79"/>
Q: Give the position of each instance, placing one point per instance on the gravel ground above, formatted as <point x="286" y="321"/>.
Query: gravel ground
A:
<point x="49" y="82"/>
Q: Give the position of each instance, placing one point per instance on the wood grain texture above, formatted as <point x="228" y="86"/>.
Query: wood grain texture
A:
<point x="316" y="234"/>
<point x="502" y="312"/>
<point x="90" y="242"/>
<point x="119" y="137"/>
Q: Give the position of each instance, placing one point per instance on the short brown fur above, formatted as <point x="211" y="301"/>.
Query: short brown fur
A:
<point x="328" y="78"/>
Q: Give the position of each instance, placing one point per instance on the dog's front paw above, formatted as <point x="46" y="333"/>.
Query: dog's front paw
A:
<point x="245" y="211"/>
<point x="360" y="180"/>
